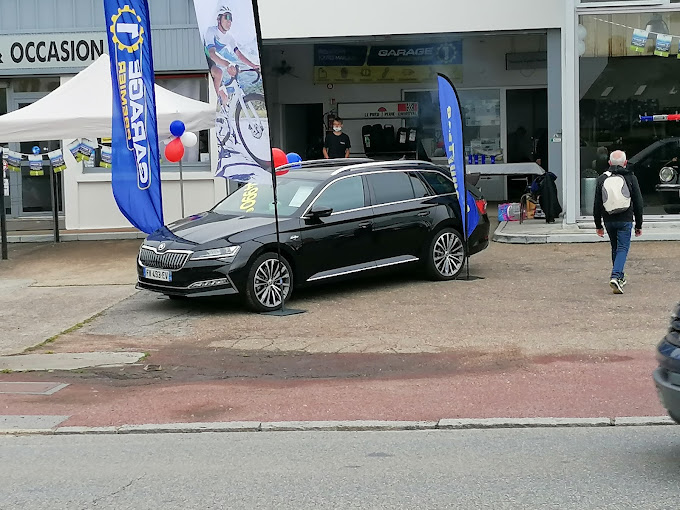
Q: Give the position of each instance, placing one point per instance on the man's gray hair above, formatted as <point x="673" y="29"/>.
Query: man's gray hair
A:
<point x="617" y="158"/>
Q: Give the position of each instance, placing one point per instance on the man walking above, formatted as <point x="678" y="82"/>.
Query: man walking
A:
<point x="617" y="200"/>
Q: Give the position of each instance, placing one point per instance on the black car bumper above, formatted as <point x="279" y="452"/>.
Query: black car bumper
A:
<point x="200" y="278"/>
<point x="670" y="193"/>
<point x="479" y="240"/>
<point x="667" y="377"/>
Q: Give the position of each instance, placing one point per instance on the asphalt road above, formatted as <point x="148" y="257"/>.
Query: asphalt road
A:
<point x="622" y="467"/>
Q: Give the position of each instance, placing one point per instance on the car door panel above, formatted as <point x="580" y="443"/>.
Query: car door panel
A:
<point x="343" y="240"/>
<point x="401" y="227"/>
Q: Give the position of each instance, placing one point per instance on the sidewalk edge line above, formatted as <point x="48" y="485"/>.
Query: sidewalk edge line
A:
<point x="351" y="426"/>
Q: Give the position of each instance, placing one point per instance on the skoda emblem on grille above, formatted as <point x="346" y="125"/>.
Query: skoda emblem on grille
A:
<point x="161" y="246"/>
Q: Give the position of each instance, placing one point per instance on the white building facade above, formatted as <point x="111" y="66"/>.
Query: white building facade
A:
<point x="549" y="80"/>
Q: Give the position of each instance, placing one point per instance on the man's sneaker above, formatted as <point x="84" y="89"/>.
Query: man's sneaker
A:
<point x="623" y="281"/>
<point x="616" y="286"/>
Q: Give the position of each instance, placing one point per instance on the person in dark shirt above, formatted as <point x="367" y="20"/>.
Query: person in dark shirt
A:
<point x="337" y="143"/>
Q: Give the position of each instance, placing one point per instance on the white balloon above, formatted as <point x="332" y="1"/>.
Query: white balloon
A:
<point x="581" y="48"/>
<point x="189" y="139"/>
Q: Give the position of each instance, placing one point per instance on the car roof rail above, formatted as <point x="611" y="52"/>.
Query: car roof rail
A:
<point x="410" y="164"/>
<point x="322" y="163"/>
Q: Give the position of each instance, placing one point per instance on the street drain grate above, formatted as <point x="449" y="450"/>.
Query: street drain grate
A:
<point x="31" y="388"/>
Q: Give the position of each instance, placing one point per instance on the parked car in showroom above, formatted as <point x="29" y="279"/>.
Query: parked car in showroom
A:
<point x="667" y="376"/>
<point x="337" y="218"/>
<point x="669" y="188"/>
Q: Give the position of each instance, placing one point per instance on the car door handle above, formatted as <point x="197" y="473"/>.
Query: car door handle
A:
<point x="365" y="224"/>
<point x="424" y="213"/>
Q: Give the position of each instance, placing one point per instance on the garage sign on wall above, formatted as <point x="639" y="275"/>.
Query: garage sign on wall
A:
<point x="414" y="63"/>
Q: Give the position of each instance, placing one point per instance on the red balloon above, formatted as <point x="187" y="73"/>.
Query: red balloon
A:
<point x="280" y="158"/>
<point x="174" y="151"/>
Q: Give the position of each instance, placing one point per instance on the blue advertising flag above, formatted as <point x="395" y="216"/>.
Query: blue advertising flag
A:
<point x="452" y="132"/>
<point x="136" y="171"/>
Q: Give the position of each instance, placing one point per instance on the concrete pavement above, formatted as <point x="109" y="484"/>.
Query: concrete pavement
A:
<point x="47" y="289"/>
<point x="540" y="336"/>
<point x="628" y="467"/>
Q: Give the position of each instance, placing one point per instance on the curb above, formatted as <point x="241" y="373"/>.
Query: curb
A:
<point x="350" y="426"/>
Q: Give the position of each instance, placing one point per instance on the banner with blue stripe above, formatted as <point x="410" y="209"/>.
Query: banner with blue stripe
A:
<point x="452" y="132"/>
<point x="136" y="172"/>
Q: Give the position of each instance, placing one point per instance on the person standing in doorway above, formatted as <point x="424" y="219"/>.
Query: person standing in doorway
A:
<point x="337" y="143"/>
<point x="617" y="200"/>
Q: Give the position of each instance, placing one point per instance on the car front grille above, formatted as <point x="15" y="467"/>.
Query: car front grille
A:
<point x="173" y="260"/>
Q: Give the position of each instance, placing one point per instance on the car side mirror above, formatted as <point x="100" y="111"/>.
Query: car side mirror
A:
<point x="319" y="212"/>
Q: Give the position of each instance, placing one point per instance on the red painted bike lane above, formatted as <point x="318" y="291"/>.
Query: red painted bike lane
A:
<point x="619" y="384"/>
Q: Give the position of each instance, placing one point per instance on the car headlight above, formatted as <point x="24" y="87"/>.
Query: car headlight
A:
<point x="216" y="253"/>
<point x="667" y="174"/>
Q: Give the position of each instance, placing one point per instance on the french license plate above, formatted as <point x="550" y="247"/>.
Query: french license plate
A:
<point x="162" y="275"/>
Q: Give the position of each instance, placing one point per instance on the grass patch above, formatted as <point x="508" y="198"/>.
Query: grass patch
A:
<point x="146" y="355"/>
<point x="6" y="371"/>
<point x="52" y="339"/>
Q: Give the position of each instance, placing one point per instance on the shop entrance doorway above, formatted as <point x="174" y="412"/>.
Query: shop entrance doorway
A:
<point x="527" y="128"/>
<point x="30" y="195"/>
<point x="304" y="130"/>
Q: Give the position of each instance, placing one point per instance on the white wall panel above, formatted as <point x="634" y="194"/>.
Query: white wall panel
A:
<point x="312" y="18"/>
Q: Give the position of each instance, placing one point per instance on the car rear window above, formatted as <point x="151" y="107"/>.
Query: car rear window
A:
<point x="419" y="187"/>
<point x="389" y="187"/>
<point x="440" y="184"/>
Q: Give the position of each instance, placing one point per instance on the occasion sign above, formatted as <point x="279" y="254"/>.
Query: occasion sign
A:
<point x="33" y="51"/>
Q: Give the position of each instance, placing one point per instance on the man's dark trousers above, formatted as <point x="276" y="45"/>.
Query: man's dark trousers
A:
<point x="620" y="233"/>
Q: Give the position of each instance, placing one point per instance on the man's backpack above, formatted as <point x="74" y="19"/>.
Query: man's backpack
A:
<point x="615" y="194"/>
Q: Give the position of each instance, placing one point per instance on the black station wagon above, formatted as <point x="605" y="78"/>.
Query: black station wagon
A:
<point x="337" y="218"/>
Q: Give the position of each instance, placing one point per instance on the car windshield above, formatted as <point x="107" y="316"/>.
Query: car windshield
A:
<point x="257" y="199"/>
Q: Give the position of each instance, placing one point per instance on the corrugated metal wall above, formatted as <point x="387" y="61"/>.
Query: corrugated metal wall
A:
<point x="26" y="16"/>
<point x="176" y="42"/>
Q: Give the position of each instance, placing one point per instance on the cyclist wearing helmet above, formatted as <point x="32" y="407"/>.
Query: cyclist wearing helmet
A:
<point x="222" y="52"/>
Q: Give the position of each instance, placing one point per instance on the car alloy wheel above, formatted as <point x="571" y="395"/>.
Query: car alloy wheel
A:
<point x="447" y="255"/>
<point x="269" y="283"/>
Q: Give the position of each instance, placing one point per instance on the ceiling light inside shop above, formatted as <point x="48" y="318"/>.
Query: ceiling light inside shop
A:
<point x="607" y="91"/>
<point x="640" y="90"/>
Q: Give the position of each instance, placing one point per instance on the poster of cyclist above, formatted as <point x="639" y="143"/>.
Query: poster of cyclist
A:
<point x="231" y="46"/>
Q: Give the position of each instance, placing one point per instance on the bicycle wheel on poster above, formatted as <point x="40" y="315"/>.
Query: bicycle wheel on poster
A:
<point x="252" y="126"/>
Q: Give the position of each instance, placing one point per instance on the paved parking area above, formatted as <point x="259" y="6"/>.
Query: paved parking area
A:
<point x="540" y="335"/>
<point x="549" y="299"/>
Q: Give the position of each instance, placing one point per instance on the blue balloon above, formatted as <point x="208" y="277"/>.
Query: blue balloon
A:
<point x="177" y="128"/>
<point x="293" y="157"/>
<point x="36" y="150"/>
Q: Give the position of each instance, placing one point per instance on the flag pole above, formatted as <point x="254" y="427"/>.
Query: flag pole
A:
<point x="181" y="186"/>
<point x="3" y="216"/>
<point x="281" y="311"/>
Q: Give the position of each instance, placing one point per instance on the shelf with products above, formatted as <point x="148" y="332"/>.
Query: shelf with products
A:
<point x="481" y="123"/>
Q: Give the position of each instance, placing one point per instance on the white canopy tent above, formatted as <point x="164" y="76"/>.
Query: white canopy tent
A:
<point x="82" y="107"/>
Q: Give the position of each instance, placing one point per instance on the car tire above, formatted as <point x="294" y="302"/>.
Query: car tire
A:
<point x="446" y="255"/>
<point x="674" y="417"/>
<point x="263" y="294"/>
<point x="672" y="209"/>
<point x="175" y="297"/>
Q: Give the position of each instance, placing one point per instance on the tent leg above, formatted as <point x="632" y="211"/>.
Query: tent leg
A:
<point x="55" y="204"/>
